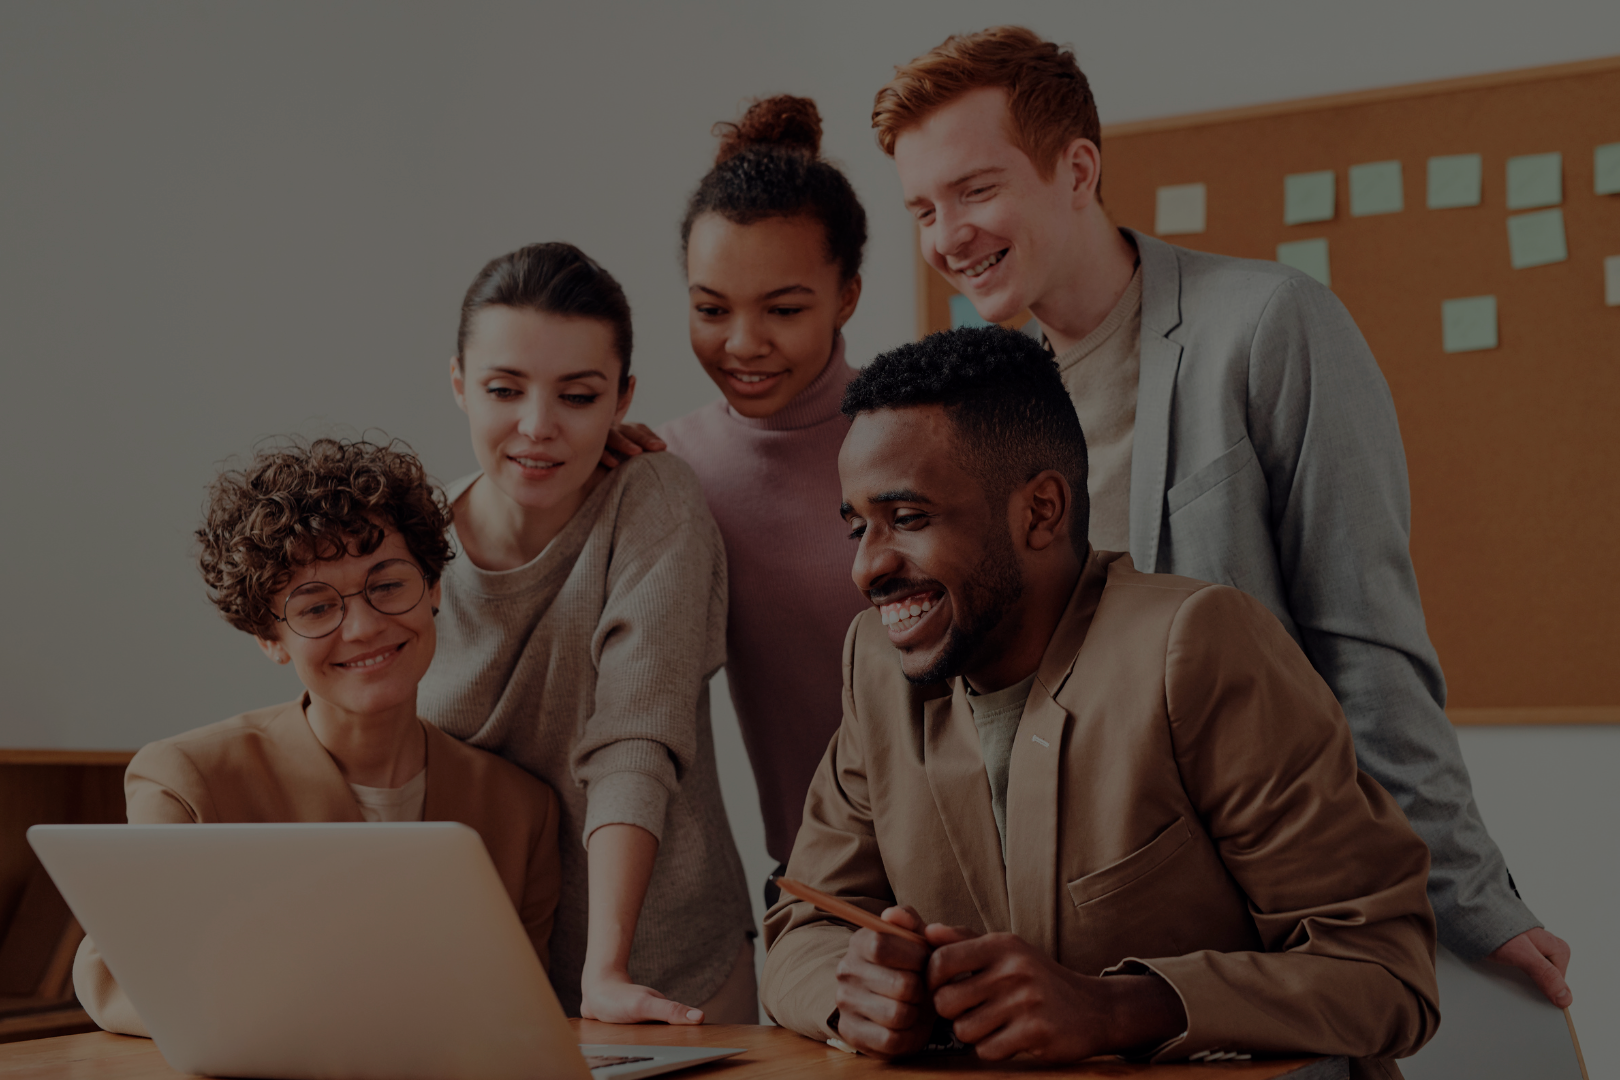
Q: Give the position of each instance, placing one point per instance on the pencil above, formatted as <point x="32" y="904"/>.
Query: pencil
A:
<point x="846" y="910"/>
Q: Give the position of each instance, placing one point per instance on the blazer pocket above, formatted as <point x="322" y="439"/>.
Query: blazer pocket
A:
<point x="1211" y="476"/>
<point x="1143" y="860"/>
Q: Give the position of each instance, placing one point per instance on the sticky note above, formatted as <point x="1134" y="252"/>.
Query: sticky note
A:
<point x="1179" y="209"/>
<point x="1468" y="324"/>
<point x="1308" y="197"/>
<point x="1611" y="281"/>
<point x="1375" y="188"/>
<point x="1311" y="256"/>
<point x="1454" y="180"/>
<point x="963" y="313"/>
<point x="1535" y="180"/>
<point x="1606" y="169"/>
<point x="1536" y="239"/>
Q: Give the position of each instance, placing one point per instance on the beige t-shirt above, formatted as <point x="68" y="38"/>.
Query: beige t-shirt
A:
<point x="1100" y="372"/>
<point x="392" y="803"/>
<point x="996" y="715"/>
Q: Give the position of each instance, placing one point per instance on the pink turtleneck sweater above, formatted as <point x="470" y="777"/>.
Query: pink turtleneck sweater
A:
<point x="772" y="486"/>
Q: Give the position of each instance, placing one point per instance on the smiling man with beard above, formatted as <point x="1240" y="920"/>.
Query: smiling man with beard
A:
<point x="1122" y="807"/>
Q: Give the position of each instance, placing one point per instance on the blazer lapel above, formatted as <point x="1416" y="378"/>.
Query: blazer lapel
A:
<point x="322" y="793"/>
<point x="1155" y="389"/>
<point x="1035" y="776"/>
<point x="962" y="795"/>
<point x="448" y="783"/>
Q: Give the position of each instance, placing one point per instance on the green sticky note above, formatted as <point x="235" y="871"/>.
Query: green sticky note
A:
<point x="1454" y="180"/>
<point x="1606" y="169"/>
<point x="1535" y="180"/>
<point x="1310" y="256"/>
<point x="1179" y="209"/>
<point x="1536" y="239"/>
<point x="1611" y="281"/>
<point x="1308" y="197"/>
<point x="1375" y="188"/>
<point x="963" y="313"/>
<point x="1468" y="324"/>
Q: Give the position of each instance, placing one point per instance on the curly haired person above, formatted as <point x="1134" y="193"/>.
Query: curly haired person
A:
<point x="330" y="555"/>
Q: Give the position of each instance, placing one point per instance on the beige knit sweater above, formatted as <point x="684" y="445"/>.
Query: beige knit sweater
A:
<point x="589" y="667"/>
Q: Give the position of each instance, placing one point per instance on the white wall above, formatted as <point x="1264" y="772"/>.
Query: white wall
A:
<point x="219" y="223"/>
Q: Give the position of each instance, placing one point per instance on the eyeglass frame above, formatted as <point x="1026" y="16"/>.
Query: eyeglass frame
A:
<point x="343" y="600"/>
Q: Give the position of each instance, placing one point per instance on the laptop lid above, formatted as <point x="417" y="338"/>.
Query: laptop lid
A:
<point x="315" y="951"/>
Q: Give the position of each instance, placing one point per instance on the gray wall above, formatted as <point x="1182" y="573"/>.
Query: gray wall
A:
<point x="224" y="222"/>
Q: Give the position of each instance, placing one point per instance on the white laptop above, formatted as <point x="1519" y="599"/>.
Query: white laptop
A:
<point x="327" y="952"/>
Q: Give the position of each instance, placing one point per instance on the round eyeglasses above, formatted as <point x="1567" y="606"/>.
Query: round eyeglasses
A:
<point x="316" y="609"/>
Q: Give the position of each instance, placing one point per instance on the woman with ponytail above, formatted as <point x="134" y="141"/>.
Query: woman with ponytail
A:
<point x="581" y="622"/>
<point x="772" y="240"/>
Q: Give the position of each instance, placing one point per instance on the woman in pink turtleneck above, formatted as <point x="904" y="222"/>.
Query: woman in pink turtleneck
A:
<point x="773" y="238"/>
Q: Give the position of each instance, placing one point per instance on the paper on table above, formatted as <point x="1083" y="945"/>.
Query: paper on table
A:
<point x="1375" y="188"/>
<point x="1535" y="180"/>
<point x="1468" y="324"/>
<point x="1311" y="256"/>
<point x="1308" y="197"/>
<point x="1454" y="180"/>
<point x="1606" y="169"/>
<point x="1611" y="281"/>
<point x="1536" y="239"/>
<point x="1179" y="209"/>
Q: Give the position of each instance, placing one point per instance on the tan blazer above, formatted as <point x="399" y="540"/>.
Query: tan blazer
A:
<point x="266" y="766"/>
<point x="1183" y="797"/>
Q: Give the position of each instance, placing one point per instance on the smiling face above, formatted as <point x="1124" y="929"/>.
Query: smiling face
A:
<point x="541" y="393"/>
<point x="371" y="663"/>
<point x="766" y="307"/>
<point x="990" y="224"/>
<point x="936" y="556"/>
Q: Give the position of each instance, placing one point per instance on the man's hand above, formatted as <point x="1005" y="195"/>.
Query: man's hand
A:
<point x="625" y="441"/>
<point x="1542" y="956"/>
<point x="882" y="996"/>
<point x="1006" y="997"/>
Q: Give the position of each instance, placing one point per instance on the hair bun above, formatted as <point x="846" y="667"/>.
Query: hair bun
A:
<point x="789" y="122"/>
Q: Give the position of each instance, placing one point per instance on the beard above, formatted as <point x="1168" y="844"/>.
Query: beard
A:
<point x="994" y="588"/>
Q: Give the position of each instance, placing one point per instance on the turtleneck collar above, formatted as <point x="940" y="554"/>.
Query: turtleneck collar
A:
<point x="815" y="404"/>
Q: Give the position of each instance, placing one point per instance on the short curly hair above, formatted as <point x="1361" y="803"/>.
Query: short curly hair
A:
<point x="1009" y="410"/>
<point x="299" y="503"/>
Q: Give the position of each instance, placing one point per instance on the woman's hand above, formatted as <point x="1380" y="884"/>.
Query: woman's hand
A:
<point x="625" y="441"/>
<point x="616" y="1000"/>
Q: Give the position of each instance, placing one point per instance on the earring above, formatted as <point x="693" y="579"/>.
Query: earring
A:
<point x="434" y="610"/>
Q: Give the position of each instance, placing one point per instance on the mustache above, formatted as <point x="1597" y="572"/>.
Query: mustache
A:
<point x="886" y="591"/>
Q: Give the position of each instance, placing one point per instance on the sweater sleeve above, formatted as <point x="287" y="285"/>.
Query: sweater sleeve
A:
<point x="1334" y="874"/>
<point x="153" y="786"/>
<point x="661" y="636"/>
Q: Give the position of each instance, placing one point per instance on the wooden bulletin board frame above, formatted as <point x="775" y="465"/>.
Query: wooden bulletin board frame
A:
<point x="1514" y="452"/>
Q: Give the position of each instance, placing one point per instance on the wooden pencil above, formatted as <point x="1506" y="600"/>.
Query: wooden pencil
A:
<point x="846" y="910"/>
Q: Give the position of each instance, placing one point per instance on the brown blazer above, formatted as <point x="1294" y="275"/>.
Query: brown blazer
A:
<point x="1183" y="797"/>
<point x="266" y="766"/>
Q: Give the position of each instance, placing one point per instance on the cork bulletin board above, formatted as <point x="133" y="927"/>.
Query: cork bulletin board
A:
<point x="1513" y="448"/>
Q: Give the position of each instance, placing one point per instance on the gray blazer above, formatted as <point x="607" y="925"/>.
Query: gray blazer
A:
<point x="1267" y="456"/>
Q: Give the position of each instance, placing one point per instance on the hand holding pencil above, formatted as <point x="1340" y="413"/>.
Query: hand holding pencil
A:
<point x="884" y="1004"/>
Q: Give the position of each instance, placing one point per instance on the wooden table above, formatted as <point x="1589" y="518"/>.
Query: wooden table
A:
<point x="772" y="1052"/>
